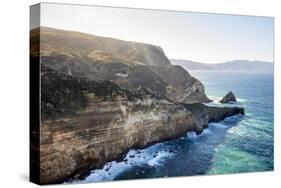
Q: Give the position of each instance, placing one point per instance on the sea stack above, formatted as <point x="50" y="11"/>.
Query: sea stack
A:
<point x="229" y="97"/>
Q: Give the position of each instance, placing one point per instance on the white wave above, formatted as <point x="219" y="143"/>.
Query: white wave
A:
<point x="216" y="100"/>
<point x="151" y="156"/>
<point x="241" y="100"/>
<point x="191" y="135"/>
<point x="160" y="156"/>
<point x="205" y="132"/>
<point x="107" y="173"/>
<point x="218" y="125"/>
<point x="226" y="123"/>
<point x="214" y="103"/>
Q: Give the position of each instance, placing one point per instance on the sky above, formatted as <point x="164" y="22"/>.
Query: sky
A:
<point x="201" y="37"/>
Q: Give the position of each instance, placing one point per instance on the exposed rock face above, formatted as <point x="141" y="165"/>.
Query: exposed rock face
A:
<point x="182" y="86"/>
<point x="101" y="97"/>
<point x="129" y="64"/>
<point x="229" y="97"/>
<point x="111" y="121"/>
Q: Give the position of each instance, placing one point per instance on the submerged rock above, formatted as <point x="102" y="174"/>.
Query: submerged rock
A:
<point x="229" y="97"/>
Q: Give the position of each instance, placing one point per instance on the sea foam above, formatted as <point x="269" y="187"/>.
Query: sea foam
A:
<point x="152" y="156"/>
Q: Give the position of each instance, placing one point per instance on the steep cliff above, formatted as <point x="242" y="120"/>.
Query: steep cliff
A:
<point x="107" y="121"/>
<point x="129" y="64"/>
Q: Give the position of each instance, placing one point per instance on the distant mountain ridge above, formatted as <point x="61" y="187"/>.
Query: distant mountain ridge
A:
<point x="235" y="65"/>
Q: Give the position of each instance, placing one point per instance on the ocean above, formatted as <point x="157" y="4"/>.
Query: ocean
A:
<point x="237" y="144"/>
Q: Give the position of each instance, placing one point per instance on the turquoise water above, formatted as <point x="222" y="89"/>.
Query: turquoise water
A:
<point x="248" y="146"/>
<point x="237" y="144"/>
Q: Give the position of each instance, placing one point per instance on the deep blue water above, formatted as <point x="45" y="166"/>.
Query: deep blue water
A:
<point x="237" y="144"/>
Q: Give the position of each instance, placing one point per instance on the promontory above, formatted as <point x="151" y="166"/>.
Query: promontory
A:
<point x="101" y="97"/>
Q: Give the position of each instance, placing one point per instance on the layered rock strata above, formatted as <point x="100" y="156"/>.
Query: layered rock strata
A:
<point x="111" y="121"/>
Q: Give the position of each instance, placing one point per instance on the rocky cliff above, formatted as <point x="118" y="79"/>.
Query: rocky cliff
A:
<point x="106" y="121"/>
<point x="129" y="64"/>
<point x="101" y="97"/>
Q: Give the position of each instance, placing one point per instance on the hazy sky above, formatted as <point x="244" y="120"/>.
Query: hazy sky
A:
<point x="208" y="38"/>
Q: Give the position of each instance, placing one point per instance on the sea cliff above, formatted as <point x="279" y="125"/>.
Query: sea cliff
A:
<point x="101" y="97"/>
<point x="112" y="121"/>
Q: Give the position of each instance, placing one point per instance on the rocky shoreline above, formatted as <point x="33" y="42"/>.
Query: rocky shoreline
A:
<point x="112" y="123"/>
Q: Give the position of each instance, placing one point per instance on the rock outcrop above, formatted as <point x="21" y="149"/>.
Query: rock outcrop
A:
<point x="229" y="97"/>
<point x="109" y="122"/>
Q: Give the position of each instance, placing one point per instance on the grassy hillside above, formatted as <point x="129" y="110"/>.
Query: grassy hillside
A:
<point x="89" y="47"/>
<point x="129" y="64"/>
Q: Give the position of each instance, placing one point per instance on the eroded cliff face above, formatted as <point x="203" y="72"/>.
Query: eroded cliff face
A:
<point x="112" y="121"/>
<point x="182" y="87"/>
<point x="107" y="130"/>
<point x="128" y="64"/>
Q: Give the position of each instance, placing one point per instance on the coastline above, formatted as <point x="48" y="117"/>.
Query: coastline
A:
<point x="87" y="121"/>
<point x="193" y="117"/>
